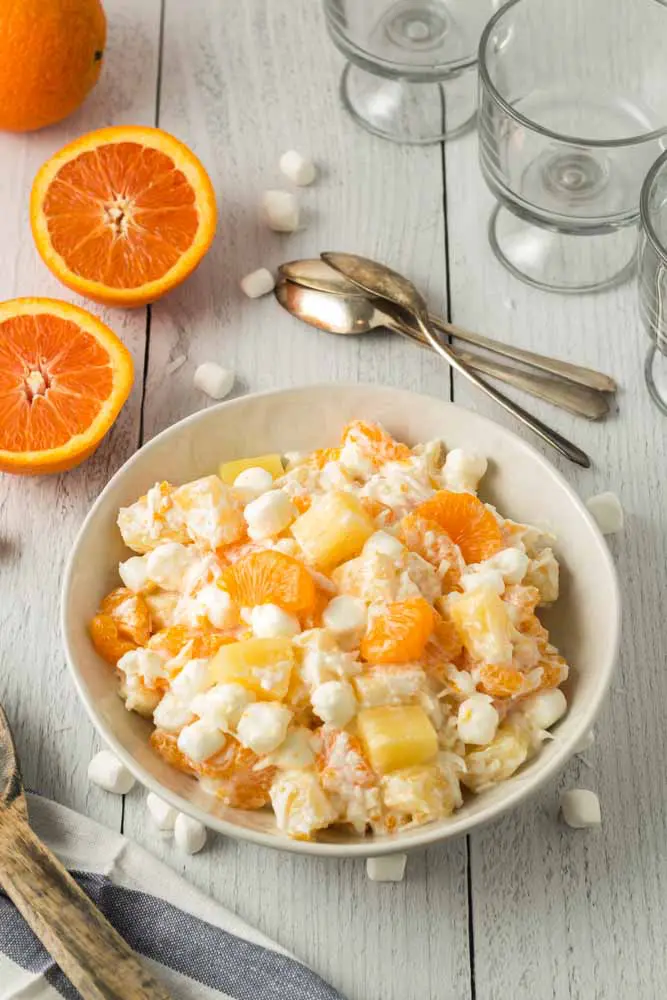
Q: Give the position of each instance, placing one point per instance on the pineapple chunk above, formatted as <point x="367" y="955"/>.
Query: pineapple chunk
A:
<point x="264" y="666"/>
<point x="499" y="759"/>
<point x="484" y="625"/>
<point x="272" y="464"/>
<point x="300" y="804"/>
<point x="210" y="512"/>
<point x="397" y="736"/>
<point x="421" y="794"/>
<point x="333" y="530"/>
<point x="389" y="685"/>
<point x="162" y="606"/>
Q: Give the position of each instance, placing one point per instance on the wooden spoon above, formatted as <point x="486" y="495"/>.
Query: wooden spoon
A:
<point x="93" y="956"/>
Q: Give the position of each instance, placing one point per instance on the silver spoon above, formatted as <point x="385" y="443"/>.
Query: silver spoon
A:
<point x="396" y="290"/>
<point x="356" y="313"/>
<point x="315" y="274"/>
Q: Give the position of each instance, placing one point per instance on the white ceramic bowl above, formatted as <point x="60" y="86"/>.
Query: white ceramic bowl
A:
<point x="524" y="486"/>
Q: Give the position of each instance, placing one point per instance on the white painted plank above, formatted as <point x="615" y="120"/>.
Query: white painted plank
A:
<point x="242" y="83"/>
<point x="39" y="517"/>
<point x="557" y="912"/>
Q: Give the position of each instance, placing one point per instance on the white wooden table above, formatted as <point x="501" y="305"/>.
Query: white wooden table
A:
<point x="525" y="908"/>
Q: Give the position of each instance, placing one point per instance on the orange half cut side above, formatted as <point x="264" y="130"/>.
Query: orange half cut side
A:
<point x="64" y="377"/>
<point x="123" y="215"/>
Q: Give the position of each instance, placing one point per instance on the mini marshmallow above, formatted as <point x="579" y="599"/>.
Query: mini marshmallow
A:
<point x="198" y="741"/>
<point x="253" y="482"/>
<point x="477" y="720"/>
<point x="269" y="514"/>
<point x="345" y="616"/>
<point x="172" y="714"/>
<point x="168" y="563"/>
<point x="580" y="808"/>
<point x="545" y="708"/>
<point x="215" y="381"/>
<point x="334" y="702"/>
<point x="222" y="705"/>
<point x="300" y="169"/>
<point x="280" y="211"/>
<point x="109" y="773"/>
<point x="218" y="605"/>
<point x="268" y="621"/>
<point x="162" y="814"/>
<point x="463" y="470"/>
<point x="390" y="868"/>
<point x="258" y="283"/>
<point x="263" y="726"/>
<point x="384" y="543"/>
<point x="607" y="511"/>
<point x="189" y="834"/>
<point x="484" y="579"/>
<point x="134" y="574"/>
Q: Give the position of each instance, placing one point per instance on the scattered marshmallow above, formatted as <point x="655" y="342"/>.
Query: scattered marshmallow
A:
<point x="107" y="771"/>
<point x="162" y="814"/>
<point x="300" y="169"/>
<point x="174" y="365"/>
<point x="215" y="381"/>
<point x="607" y="510"/>
<point x="258" y="283"/>
<point x="280" y="211"/>
<point x="189" y="834"/>
<point x="390" y="868"/>
<point x="580" y="808"/>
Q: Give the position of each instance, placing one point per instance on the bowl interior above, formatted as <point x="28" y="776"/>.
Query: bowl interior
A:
<point x="520" y="482"/>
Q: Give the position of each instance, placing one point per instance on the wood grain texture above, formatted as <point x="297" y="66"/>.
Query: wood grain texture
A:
<point x="241" y="83"/>
<point x="39" y="517"/>
<point x="556" y="912"/>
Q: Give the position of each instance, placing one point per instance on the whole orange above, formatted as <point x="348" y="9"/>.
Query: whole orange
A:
<point x="50" y="58"/>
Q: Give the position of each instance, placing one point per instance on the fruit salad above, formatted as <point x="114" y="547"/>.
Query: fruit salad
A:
<point x="349" y="637"/>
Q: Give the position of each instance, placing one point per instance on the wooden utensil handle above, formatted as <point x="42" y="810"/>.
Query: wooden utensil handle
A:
<point x="93" y="956"/>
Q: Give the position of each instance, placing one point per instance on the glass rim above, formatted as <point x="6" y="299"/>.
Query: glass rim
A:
<point x="574" y="140"/>
<point x="647" y="225"/>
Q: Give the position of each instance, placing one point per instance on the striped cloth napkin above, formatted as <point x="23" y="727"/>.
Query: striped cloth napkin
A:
<point x="199" y="950"/>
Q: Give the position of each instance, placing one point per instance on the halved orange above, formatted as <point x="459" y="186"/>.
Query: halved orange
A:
<point x="122" y="215"/>
<point x="64" y="377"/>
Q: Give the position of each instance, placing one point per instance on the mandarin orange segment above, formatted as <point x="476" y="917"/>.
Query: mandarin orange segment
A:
<point x="467" y="522"/>
<point x="341" y="761"/>
<point x="167" y="746"/>
<point x="239" y="782"/>
<point x="130" y="613"/>
<point x="302" y="502"/>
<point x="502" y="682"/>
<point x="374" y="443"/>
<point x="444" y="644"/>
<point x="64" y="377"/>
<point x="270" y="577"/>
<point x="169" y="642"/>
<point x="524" y="600"/>
<point x="431" y="542"/>
<point x="313" y="617"/>
<point x="107" y="639"/>
<point x="400" y="633"/>
<point x="554" y="671"/>
<point x="123" y="214"/>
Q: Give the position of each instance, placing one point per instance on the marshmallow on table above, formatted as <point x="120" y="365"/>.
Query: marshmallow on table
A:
<point x="215" y="381"/>
<point x="189" y="834"/>
<point x="258" y="283"/>
<point x="280" y="211"/>
<point x="607" y="511"/>
<point x="109" y="773"/>
<point x="580" y="808"/>
<point x="162" y="814"/>
<point x="300" y="169"/>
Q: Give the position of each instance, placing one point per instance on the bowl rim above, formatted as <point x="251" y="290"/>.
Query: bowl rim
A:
<point x="419" y="837"/>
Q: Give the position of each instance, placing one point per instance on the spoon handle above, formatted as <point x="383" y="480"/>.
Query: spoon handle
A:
<point x="554" y="366"/>
<point x="559" y="391"/>
<point x="556" y="440"/>
<point x="87" y="948"/>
